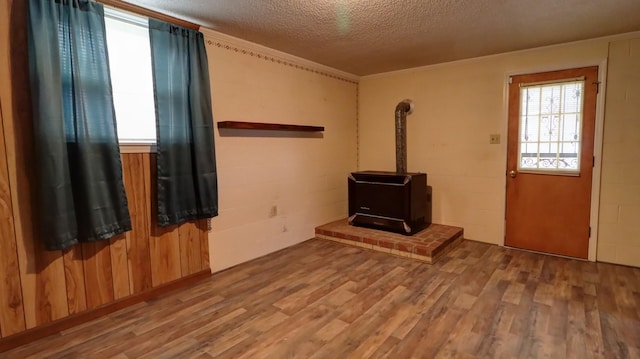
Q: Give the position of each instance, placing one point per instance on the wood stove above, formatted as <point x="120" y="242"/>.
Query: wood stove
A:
<point x="392" y="201"/>
<point x="389" y="201"/>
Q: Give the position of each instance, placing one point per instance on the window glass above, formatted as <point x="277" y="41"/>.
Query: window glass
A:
<point x="550" y="127"/>
<point x="131" y="76"/>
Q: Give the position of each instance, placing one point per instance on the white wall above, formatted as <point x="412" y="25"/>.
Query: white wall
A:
<point x="458" y="105"/>
<point x="276" y="188"/>
<point x="620" y="197"/>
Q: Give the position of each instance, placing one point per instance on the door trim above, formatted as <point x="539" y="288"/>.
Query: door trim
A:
<point x="597" y="145"/>
<point x="597" y="168"/>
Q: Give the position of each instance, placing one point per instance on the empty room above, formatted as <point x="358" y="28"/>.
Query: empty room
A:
<point x="319" y="179"/>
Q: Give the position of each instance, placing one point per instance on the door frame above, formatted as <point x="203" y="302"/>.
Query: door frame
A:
<point x="597" y="141"/>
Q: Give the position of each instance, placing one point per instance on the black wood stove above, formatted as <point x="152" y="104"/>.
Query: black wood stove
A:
<point x="391" y="201"/>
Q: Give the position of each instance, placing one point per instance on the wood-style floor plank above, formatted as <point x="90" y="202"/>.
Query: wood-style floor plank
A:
<point x="322" y="299"/>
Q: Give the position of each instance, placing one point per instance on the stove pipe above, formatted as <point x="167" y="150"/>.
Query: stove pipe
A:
<point x="404" y="108"/>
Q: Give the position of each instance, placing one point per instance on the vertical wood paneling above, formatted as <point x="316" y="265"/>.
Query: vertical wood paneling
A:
<point x="74" y="276"/>
<point x="164" y="242"/>
<point x="6" y="100"/>
<point x="41" y="273"/>
<point x="119" y="266"/>
<point x="98" y="278"/>
<point x="138" y="195"/>
<point x="204" y="244"/>
<point x="194" y="250"/>
<point x="190" y="260"/>
<point x="27" y="260"/>
<point x="184" y="235"/>
<point x="165" y="254"/>
<point x="50" y="286"/>
<point x="11" y="310"/>
<point x="39" y="286"/>
<point x="128" y="243"/>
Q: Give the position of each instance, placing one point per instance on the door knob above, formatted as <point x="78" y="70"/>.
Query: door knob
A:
<point x="512" y="174"/>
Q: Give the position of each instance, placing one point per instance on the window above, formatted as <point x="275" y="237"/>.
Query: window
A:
<point x="550" y="127"/>
<point x="131" y="76"/>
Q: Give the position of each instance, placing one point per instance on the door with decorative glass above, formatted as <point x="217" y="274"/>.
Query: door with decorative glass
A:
<point x="550" y="161"/>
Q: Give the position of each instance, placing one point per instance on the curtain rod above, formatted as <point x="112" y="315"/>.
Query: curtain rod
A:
<point x="149" y="13"/>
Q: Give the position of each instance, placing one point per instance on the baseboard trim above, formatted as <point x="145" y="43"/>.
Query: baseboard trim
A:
<point x="33" y="334"/>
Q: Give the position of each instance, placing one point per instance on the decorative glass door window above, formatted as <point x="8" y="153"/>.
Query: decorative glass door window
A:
<point x="550" y="127"/>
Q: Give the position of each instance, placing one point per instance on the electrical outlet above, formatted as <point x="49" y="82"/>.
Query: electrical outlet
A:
<point x="494" y="139"/>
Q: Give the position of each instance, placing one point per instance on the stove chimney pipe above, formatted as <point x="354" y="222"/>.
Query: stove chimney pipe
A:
<point x="403" y="108"/>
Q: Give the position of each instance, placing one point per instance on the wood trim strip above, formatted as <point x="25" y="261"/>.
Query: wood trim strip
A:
<point x="149" y="13"/>
<point x="16" y="340"/>
<point x="239" y="125"/>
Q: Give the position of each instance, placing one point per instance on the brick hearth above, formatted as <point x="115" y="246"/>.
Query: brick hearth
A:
<point x="427" y="245"/>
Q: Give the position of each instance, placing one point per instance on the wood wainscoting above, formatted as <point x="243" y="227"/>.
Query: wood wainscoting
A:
<point x="44" y="292"/>
<point x="41" y="288"/>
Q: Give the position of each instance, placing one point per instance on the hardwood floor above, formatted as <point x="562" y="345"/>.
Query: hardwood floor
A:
<point x="322" y="299"/>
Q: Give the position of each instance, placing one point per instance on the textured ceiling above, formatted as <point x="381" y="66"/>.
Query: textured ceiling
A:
<point x="372" y="36"/>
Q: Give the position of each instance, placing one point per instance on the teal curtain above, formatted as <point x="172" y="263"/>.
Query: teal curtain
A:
<point x="187" y="179"/>
<point x="81" y="194"/>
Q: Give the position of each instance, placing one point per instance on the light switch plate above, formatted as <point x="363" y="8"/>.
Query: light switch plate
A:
<point x="494" y="139"/>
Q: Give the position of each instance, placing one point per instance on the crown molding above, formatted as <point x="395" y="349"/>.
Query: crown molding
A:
<point x="244" y="47"/>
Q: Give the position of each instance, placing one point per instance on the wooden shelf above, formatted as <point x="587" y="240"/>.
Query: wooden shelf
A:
<point x="239" y="125"/>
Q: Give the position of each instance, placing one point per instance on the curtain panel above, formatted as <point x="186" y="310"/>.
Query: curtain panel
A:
<point x="187" y="180"/>
<point x="81" y="195"/>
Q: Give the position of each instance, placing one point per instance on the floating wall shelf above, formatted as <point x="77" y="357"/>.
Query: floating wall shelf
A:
<point x="239" y="125"/>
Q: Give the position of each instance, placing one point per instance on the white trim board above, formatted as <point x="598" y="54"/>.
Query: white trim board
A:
<point x="597" y="152"/>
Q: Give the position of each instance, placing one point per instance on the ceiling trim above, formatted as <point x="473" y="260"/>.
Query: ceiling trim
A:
<point x="617" y="37"/>
<point x="244" y="47"/>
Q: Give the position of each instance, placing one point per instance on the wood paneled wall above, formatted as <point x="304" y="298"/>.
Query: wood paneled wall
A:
<point x="38" y="287"/>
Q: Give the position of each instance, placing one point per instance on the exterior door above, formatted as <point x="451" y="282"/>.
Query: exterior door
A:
<point x="550" y="161"/>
